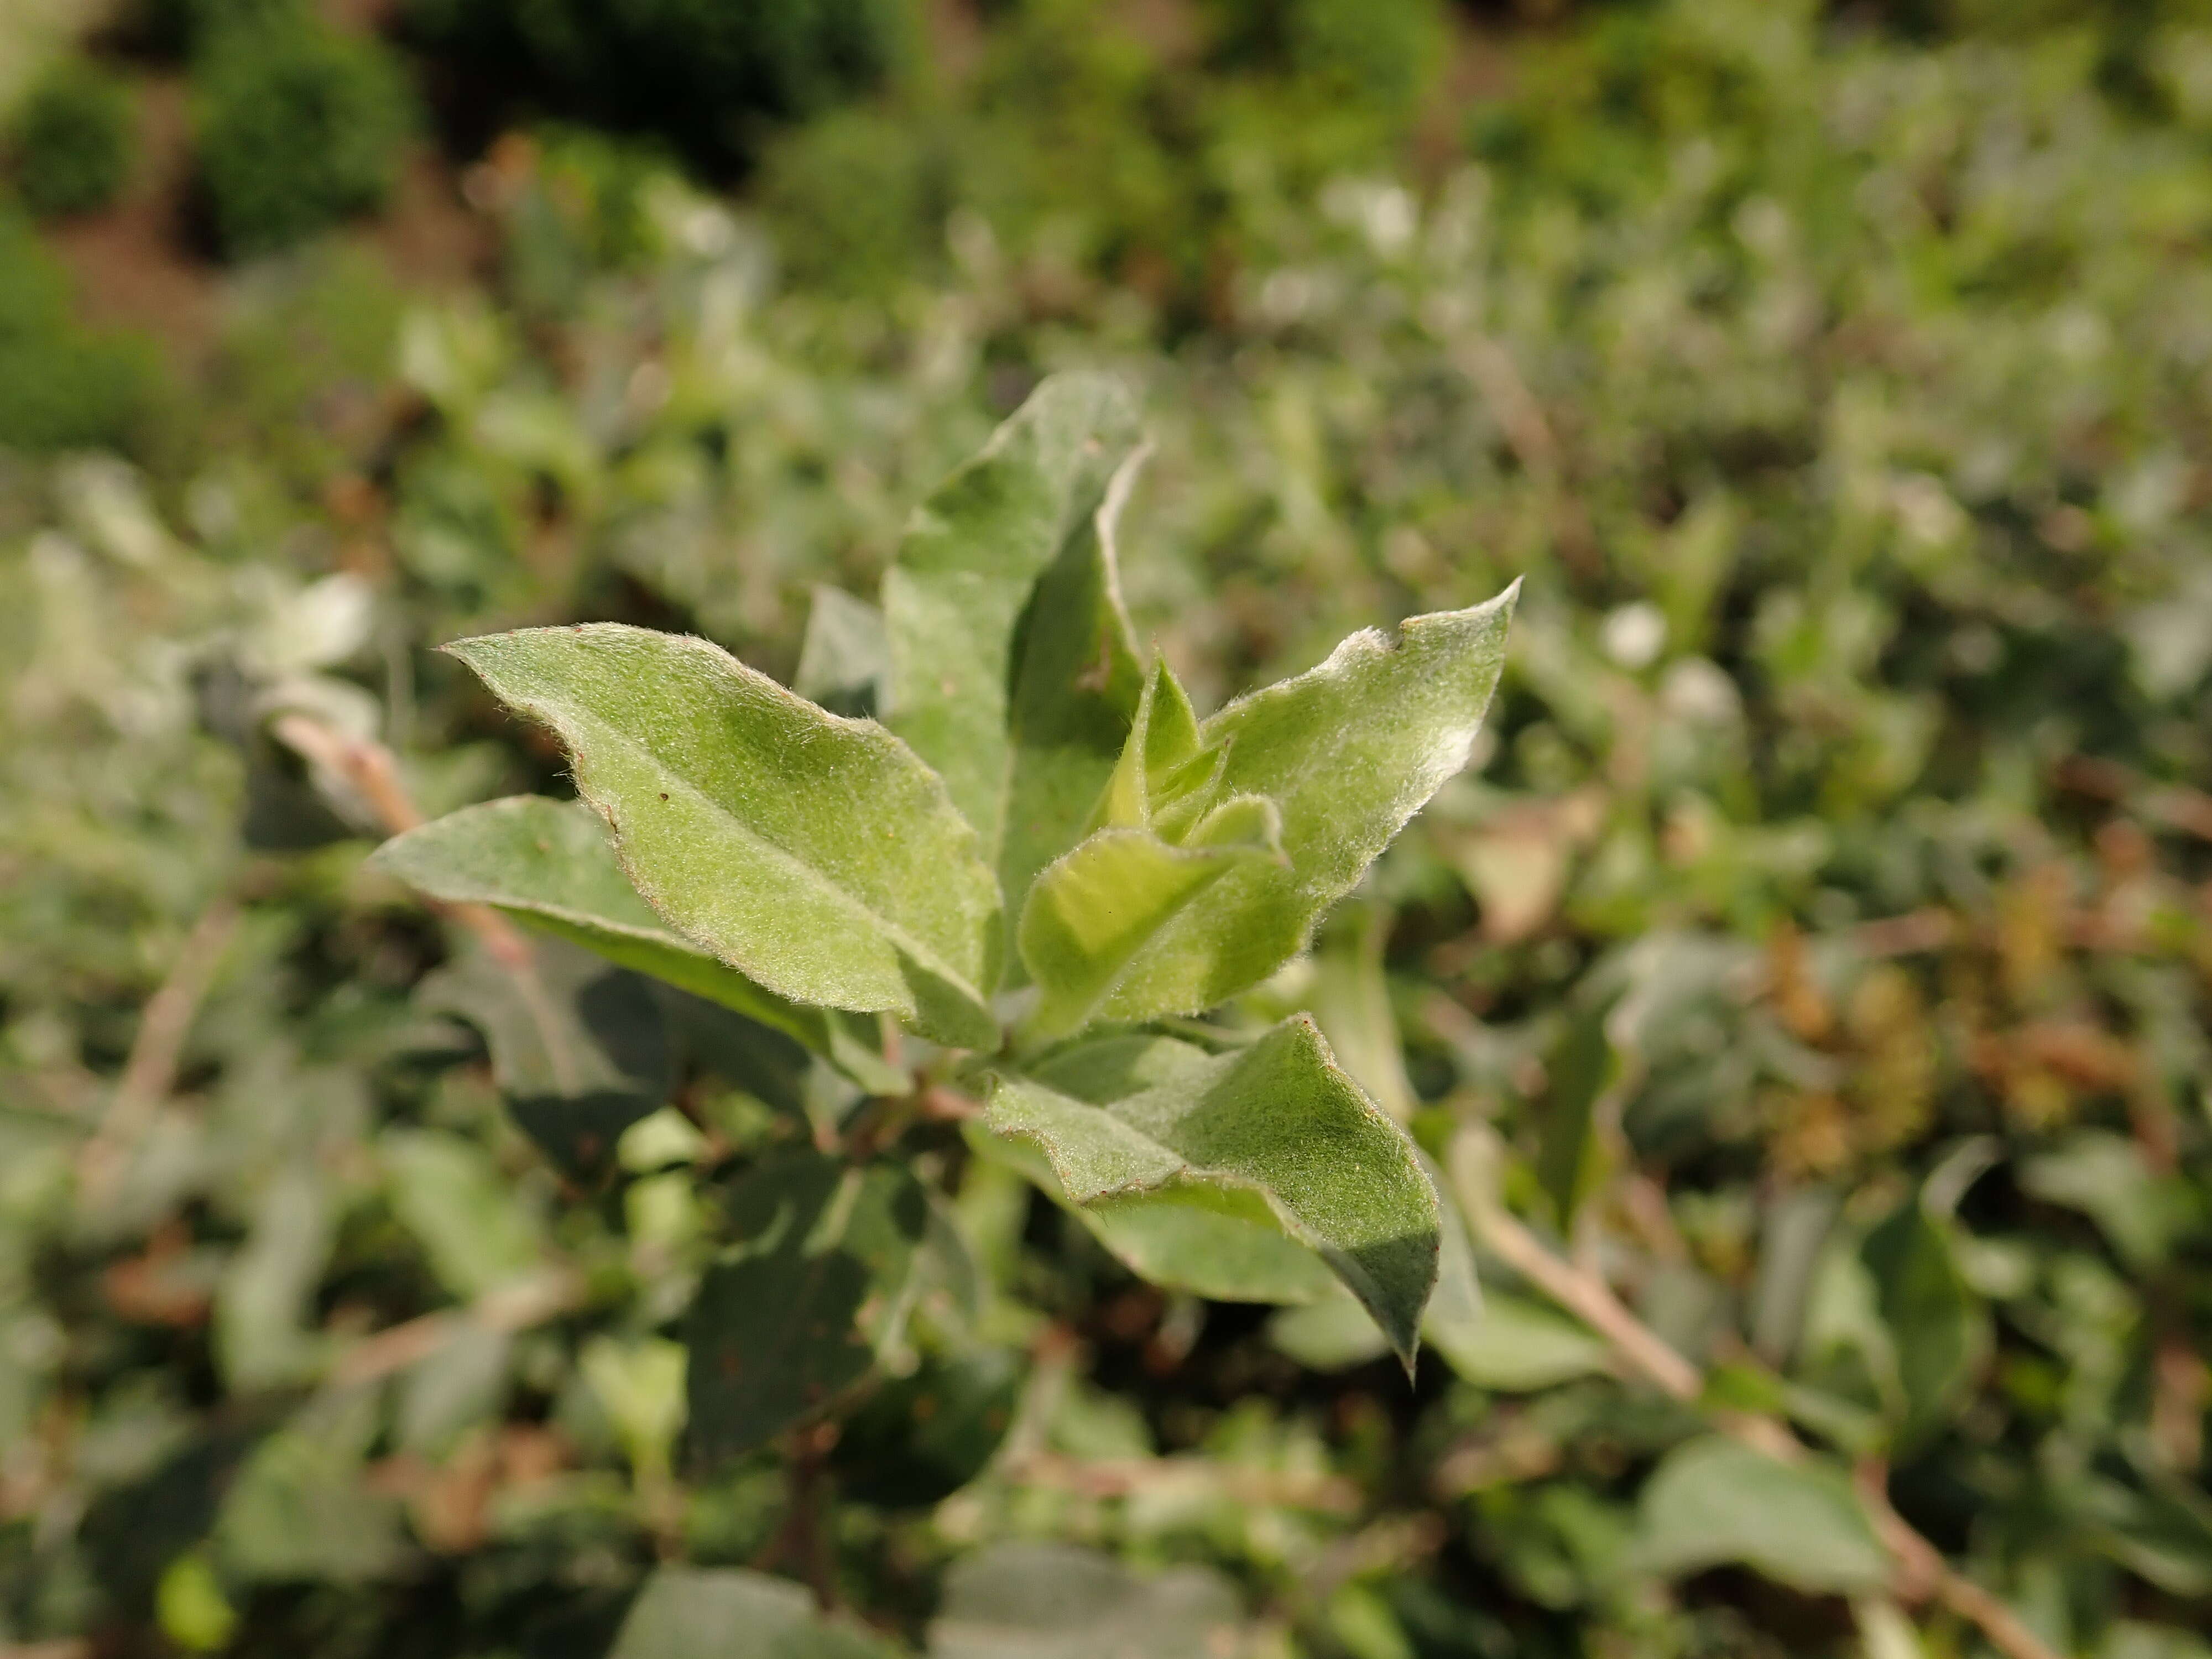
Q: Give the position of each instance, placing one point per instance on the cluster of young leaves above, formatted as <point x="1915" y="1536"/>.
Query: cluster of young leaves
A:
<point x="1041" y="857"/>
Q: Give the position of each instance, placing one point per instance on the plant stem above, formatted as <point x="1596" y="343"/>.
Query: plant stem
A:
<point x="1922" y="1572"/>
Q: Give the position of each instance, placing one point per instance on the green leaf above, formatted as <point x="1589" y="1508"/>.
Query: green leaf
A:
<point x="918" y="1439"/>
<point x="466" y="1213"/>
<point x="1279" y="1120"/>
<point x="1518" y="1346"/>
<point x="1580" y="1068"/>
<point x="1344" y="754"/>
<point x="954" y="599"/>
<point x="712" y="1612"/>
<point x="815" y="855"/>
<point x="549" y="863"/>
<point x="845" y="660"/>
<point x="1940" y="1329"/>
<point x="1715" y="1500"/>
<point x="579" y="1048"/>
<point x="1048" y="1601"/>
<point x="799" y="1311"/>
<point x="1221" y="1243"/>
<point x="1077" y="684"/>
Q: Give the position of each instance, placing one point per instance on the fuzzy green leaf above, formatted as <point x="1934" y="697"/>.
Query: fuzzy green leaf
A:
<point x="1221" y="1242"/>
<point x="1134" y="1113"/>
<point x="1077" y="684"/>
<point x="815" y="855"/>
<point x="801" y="1308"/>
<point x="1345" y="753"/>
<point x="954" y="600"/>
<point x="549" y="863"/>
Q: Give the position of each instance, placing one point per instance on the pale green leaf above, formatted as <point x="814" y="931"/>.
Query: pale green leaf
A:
<point x="1050" y="1601"/>
<point x="714" y="1613"/>
<point x="1716" y="1501"/>
<point x="845" y="660"/>
<point x="1278" y="1119"/>
<point x="549" y="863"/>
<point x="1221" y="1243"/>
<point x="816" y="854"/>
<point x="798" y="1311"/>
<point x="1096" y="909"/>
<point x="468" y="1217"/>
<point x="1346" y="753"/>
<point x="970" y="557"/>
<point x="1076" y="681"/>
<point x="1518" y="1346"/>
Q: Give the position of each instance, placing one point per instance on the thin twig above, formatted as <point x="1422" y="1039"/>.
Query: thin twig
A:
<point x="1125" y="1477"/>
<point x="150" y="1071"/>
<point x="520" y="1306"/>
<point x="372" y="771"/>
<point x="1921" y="1572"/>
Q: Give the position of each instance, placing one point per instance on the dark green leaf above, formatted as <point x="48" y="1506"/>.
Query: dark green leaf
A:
<point x="579" y="1048"/>
<point x="919" y="1438"/>
<point x="800" y="1309"/>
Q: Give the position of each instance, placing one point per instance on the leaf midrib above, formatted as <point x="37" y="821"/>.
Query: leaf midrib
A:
<point x="924" y="954"/>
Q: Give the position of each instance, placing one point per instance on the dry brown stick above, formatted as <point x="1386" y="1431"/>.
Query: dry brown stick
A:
<point x="1121" y="1477"/>
<point x="1923" y="1572"/>
<point x="150" y="1071"/>
<point x="518" y="1307"/>
<point x="372" y="770"/>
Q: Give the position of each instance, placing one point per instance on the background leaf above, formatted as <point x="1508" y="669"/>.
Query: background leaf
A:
<point x="1041" y="1600"/>
<point x="1715" y="1500"/>
<point x="800" y="1309"/>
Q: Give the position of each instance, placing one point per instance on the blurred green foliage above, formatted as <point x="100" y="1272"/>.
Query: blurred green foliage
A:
<point x="296" y="127"/>
<point x="63" y="385"/>
<point x="708" y="75"/>
<point x="1819" y="943"/>
<point x="71" y="139"/>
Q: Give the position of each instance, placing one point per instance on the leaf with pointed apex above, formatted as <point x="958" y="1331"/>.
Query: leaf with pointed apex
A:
<point x="1162" y="739"/>
<point x="1221" y="1242"/>
<point x="801" y="1309"/>
<point x="1094" y="910"/>
<point x="1346" y="753"/>
<point x="549" y="863"/>
<point x="1138" y="1113"/>
<point x="1077" y="682"/>
<point x="816" y="854"/>
<point x="971" y="556"/>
